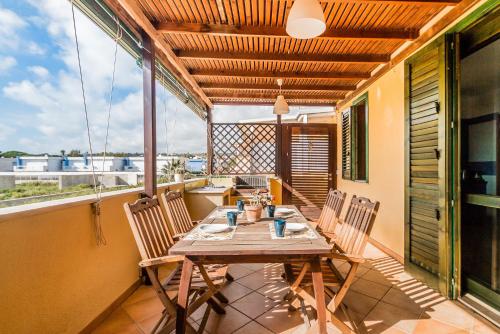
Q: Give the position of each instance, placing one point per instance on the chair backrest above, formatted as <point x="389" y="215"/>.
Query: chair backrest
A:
<point x="177" y="212"/>
<point x="353" y="233"/>
<point x="149" y="227"/>
<point x="331" y="210"/>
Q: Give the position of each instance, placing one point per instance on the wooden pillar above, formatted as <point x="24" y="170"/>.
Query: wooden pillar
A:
<point x="278" y="146"/>
<point x="209" y="142"/>
<point x="149" y="100"/>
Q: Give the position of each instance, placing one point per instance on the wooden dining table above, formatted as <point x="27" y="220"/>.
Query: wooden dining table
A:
<point x="252" y="243"/>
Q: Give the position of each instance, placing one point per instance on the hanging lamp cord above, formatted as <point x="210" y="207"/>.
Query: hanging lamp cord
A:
<point x="97" y="223"/>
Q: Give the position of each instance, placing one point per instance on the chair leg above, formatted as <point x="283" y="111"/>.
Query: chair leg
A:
<point x="289" y="296"/>
<point x="204" y="320"/>
<point x="221" y="297"/>
<point x="216" y="306"/>
<point x="347" y="314"/>
<point x="304" y="312"/>
<point x="229" y="278"/>
<point x="294" y="303"/>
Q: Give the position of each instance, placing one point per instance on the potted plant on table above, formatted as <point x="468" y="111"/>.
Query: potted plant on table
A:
<point x="257" y="202"/>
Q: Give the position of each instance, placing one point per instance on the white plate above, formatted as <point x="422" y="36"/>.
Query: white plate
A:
<point x="215" y="228"/>
<point x="283" y="211"/>
<point x="295" y="227"/>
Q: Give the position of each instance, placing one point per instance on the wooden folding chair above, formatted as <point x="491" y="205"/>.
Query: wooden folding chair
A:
<point x="177" y="213"/>
<point x="349" y="245"/>
<point x="330" y="213"/>
<point x="153" y="239"/>
<point x="179" y="218"/>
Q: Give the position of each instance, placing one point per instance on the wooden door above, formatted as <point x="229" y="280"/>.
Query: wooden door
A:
<point x="309" y="165"/>
<point x="426" y="225"/>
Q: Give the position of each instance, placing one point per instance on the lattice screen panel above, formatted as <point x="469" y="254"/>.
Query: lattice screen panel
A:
<point x="243" y="148"/>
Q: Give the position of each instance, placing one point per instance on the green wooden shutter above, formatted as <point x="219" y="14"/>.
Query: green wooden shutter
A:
<point x="346" y="144"/>
<point x="426" y="136"/>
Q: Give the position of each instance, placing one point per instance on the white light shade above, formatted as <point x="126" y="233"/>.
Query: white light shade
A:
<point x="305" y="20"/>
<point x="280" y="106"/>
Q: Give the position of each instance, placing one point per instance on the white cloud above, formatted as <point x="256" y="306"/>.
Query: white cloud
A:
<point x="39" y="71"/>
<point x="5" y="131"/>
<point x="35" y="49"/>
<point x="11" y="23"/>
<point x="6" y="63"/>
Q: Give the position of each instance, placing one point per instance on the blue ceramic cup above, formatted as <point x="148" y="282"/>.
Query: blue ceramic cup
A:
<point x="232" y="216"/>
<point x="279" y="227"/>
<point x="241" y="205"/>
<point x="270" y="210"/>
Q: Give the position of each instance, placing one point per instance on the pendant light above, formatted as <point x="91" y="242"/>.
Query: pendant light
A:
<point x="280" y="106"/>
<point x="305" y="20"/>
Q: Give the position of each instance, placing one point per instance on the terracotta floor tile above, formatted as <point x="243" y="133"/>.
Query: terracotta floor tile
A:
<point x="425" y="326"/>
<point x="359" y="303"/>
<point x="148" y="324"/>
<point x="260" y="278"/>
<point x="238" y="271"/>
<point x="392" y="316"/>
<point x="450" y="313"/>
<point x="234" y="291"/>
<point x="144" y="309"/>
<point x="275" y="290"/>
<point x="142" y="293"/>
<point x="227" y="323"/>
<point x="254" y="304"/>
<point x="400" y="299"/>
<point x="280" y="320"/>
<point x="377" y="277"/>
<point x="253" y="266"/>
<point x="369" y="288"/>
<point x="253" y="328"/>
<point x="118" y="322"/>
<point x="484" y="327"/>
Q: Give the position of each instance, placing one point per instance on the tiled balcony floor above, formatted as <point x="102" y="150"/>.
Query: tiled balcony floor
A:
<point x="383" y="299"/>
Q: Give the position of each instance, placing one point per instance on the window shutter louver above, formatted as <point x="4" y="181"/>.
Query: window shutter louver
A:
<point x="346" y="144"/>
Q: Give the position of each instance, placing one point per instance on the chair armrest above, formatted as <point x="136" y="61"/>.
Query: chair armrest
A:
<point x="161" y="260"/>
<point x="179" y="236"/>
<point x="330" y="235"/>
<point x="347" y="257"/>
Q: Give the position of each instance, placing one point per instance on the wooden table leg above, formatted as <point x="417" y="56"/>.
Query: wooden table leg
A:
<point x="183" y="297"/>
<point x="319" y="294"/>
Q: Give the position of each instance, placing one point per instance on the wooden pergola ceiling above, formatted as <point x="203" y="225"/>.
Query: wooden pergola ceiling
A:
<point x="231" y="51"/>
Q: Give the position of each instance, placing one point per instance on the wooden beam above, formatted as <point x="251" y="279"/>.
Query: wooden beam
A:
<point x="149" y="101"/>
<point x="288" y="57"/>
<point x="288" y="87"/>
<point x="272" y="31"/>
<point x="270" y="96"/>
<point x="133" y="9"/>
<point x="314" y="103"/>
<point x="277" y="74"/>
<point x="401" y="2"/>
<point x="428" y="35"/>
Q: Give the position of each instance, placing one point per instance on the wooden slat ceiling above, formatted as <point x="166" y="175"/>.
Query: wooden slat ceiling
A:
<point x="236" y="49"/>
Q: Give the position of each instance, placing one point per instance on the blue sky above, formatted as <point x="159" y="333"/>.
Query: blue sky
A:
<point x="40" y="98"/>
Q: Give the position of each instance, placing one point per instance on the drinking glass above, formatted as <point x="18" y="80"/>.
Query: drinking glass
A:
<point x="232" y="216"/>
<point x="279" y="227"/>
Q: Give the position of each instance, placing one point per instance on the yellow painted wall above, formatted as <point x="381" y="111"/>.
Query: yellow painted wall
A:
<point x="53" y="277"/>
<point x="386" y="159"/>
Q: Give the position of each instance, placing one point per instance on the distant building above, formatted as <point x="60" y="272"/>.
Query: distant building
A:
<point x="37" y="164"/>
<point x="196" y="165"/>
<point x="84" y="164"/>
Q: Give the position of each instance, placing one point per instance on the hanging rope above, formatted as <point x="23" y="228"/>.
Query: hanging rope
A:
<point x="162" y="80"/>
<point x="97" y="226"/>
